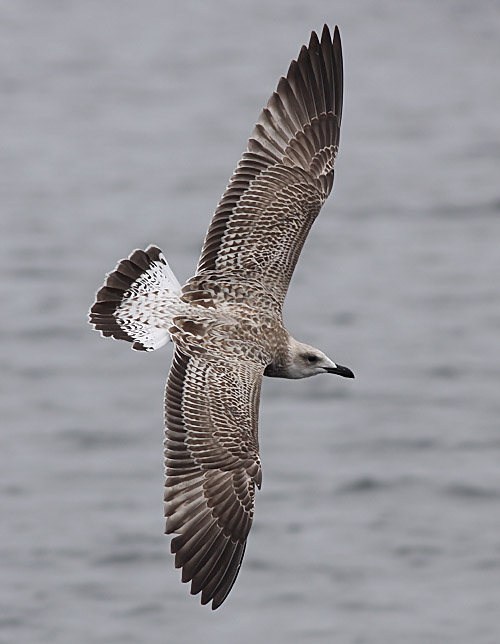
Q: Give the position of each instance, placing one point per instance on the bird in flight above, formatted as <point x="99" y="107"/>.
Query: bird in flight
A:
<point x="226" y="321"/>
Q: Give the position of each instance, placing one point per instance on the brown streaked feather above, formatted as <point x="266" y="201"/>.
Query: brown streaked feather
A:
<point x="213" y="466"/>
<point x="286" y="174"/>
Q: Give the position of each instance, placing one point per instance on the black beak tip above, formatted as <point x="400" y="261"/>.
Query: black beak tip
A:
<point x="339" y="370"/>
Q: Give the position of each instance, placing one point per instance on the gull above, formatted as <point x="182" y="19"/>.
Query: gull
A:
<point x="226" y="322"/>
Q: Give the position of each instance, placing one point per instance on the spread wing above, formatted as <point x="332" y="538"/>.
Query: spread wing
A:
<point x="213" y="466"/>
<point x="286" y="174"/>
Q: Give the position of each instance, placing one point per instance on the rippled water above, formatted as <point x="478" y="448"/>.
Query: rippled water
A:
<point x="379" y="517"/>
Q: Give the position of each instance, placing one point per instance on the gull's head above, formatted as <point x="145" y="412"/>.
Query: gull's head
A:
<point x="308" y="361"/>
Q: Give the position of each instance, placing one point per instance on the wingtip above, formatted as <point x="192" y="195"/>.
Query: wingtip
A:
<point x="326" y="34"/>
<point x="313" y="41"/>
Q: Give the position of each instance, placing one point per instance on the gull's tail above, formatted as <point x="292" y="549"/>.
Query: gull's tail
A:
<point x="138" y="301"/>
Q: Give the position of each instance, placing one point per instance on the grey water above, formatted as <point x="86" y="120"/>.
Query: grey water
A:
<point x="379" y="517"/>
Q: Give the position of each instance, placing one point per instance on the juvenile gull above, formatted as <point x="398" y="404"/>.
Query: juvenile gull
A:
<point x="226" y="321"/>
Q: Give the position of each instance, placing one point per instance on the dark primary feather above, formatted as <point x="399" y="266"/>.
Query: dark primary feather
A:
<point x="284" y="177"/>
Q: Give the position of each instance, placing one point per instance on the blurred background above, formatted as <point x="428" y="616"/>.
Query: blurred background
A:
<point x="379" y="517"/>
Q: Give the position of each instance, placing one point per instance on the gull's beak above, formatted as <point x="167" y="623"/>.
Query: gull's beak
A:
<point x="340" y="371"/>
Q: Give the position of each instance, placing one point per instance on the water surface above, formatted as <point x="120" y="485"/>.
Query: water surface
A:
<point x="379" y="516"/>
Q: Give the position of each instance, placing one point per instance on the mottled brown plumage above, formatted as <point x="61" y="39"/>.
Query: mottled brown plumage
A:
<point x="226" y="322"/>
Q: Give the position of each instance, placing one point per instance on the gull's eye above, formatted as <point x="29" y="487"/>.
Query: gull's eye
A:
<point x="312" y="358"/>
